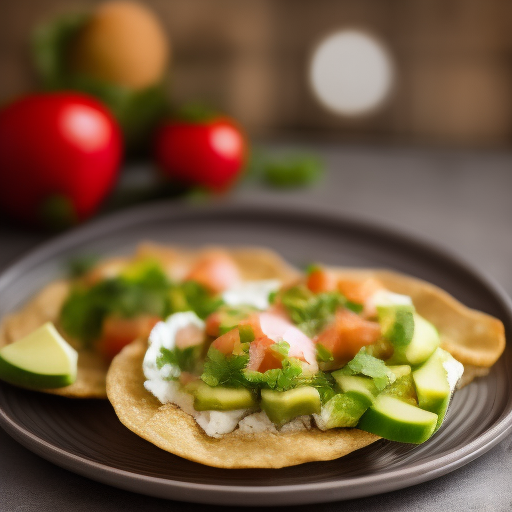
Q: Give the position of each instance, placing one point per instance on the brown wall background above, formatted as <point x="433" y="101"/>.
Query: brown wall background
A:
<point x="250" y="57"/>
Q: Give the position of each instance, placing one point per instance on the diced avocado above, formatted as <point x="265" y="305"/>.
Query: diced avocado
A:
<point x="403" y="387"/>
<point x="423" y="344"/>
<point x="136" y="270"/>
<point x="43" y="359"/>
<point x="393" y="419"/>
<point x="359" y="387"/>
<point x="400" y="370"/>
<point x="344" y="409"/>
<point x="207" y="398"/>
<point x="397" y="323"/>
<point x="283" y="406"/>
<point x="432" y="384"/>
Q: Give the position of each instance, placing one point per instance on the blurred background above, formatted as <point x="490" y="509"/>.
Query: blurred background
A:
<point x="443" y="77"/>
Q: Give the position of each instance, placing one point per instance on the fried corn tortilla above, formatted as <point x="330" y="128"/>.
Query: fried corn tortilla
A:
<point x="474" y="338"/>
<point x="254" y="263"/>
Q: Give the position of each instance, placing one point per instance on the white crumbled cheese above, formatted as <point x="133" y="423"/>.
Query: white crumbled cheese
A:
<point x="256" y="423"/>
<point x="319" y="421"/>
<point x="160" y="380"/>
<point x="251" y="293"/>
<point x="454" y="370"/>
<point x="259" y="422"/>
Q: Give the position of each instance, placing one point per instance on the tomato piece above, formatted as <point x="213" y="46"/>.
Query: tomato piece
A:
<point x="254" y="322"/>
<point x="358" y="291"/>
<point x="117" y="332"/>
<point x="209" y="153"/>
<point x="262" y="357"/>
<point x="213" y="322"/>
<point x="59" y="154"/>
<point x="347" y="335"/>
<point x="227" y="343"/>
<point x="321" y="281"/>
<point x="215" y="271"/>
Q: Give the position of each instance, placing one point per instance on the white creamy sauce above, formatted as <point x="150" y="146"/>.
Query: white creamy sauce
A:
<point x="251" y="293"/>
<point x="160" y="380"/>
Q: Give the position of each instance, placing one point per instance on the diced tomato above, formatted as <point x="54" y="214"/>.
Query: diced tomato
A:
<point x="118" y="332"/>
<point x="228" y="342"/>
<point x="189" y="336"/>
<point x="262" y="357"/>
<point x="358" y="291"/>
<point x="321" y="281"/>
<point x="347" y="335"/>
<point x="213" y="322"/>
<point x="254" y="322"/>
<point x="215" y="271"/>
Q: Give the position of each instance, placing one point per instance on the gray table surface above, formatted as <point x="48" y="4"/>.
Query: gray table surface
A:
<point x="458" y="199"/>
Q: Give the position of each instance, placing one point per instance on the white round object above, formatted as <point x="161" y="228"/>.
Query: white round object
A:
<point x="351" y="72"/>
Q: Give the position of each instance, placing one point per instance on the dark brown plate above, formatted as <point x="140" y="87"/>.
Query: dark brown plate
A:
<point x="86" y="437"/>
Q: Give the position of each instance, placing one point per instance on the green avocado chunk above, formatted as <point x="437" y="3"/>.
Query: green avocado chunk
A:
<point x="207" y="398"/>
<point x="359" y="387"/>
<point x="424" y="342"/>
<point x="397" y="323"/>
<point x="344" y="410"/>
<point x="43" y="359"/>
<point x="403" y="387"/>
<point x="396" y="420"/>
<point x="432" y="385"/>
<point x="283" y="406"/>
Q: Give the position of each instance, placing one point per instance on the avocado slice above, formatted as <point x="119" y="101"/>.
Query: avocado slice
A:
<point x="424" y="342"/>
<point x="359" y="387"/>
<point x="344" y="409"/>
<point x="207" y="398"/>
<point x="283" y="406"/>
<point x="403" y="387"/>
<point x="43" y="359"/>
<point x="397" y="323"/>
<point x="433" y="386"/>
<point x="396" y="420"/>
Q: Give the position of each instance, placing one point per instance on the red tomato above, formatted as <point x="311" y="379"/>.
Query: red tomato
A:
<point x="59" y="156"/>
<point x="117" y="332"/>
<point x="321" y="281"/>
<point x="210" y="154"/>
<point x="347" y="335"/>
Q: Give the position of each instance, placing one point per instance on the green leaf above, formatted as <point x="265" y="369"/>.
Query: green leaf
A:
<point x="221" y="370"/>
<point x="199" y="299"/>
<point x="279" y="379"/>
<point x="84" y="310"/>
<point x="323" y="355"/>
<point x="187" y="359"/>
<point x="310" y="312"/>
<point x="293" y="171"/>
<point x="365" y="364"/>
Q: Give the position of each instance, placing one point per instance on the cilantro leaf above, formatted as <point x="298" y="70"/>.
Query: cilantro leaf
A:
<point x="310" y="312"/>
<point x="278" y="379"/>
<point x="186" y="359"/>
<point x="199" y="299"/>
<point x="323" y="355"/>
<point x="365" y="364"/>
<point x="221" y="370"/>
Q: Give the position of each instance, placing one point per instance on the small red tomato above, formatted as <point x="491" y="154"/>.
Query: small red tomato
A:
<point x="59" y="157"/>
<point x="209" y="153"/>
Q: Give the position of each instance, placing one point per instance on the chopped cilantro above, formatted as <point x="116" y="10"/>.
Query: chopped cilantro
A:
<point x="281" y="348"/>
<point x="278" y="379"/>
<point x="186" y="359"/>
<point x="323" y="355"/>
<point x="221" y="370"/>
<point x="310" y="312"/>
<point x="199" y="299"/>
<point x="365" y="364"/>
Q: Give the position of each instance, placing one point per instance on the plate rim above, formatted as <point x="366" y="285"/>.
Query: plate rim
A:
<point x="267" y="495"/>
